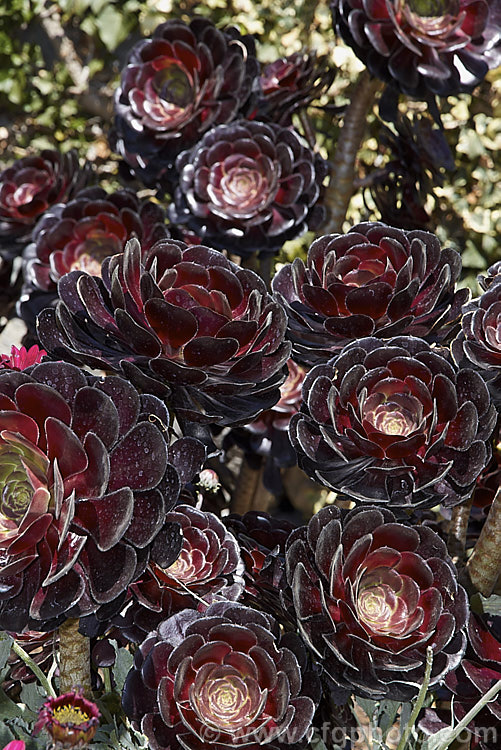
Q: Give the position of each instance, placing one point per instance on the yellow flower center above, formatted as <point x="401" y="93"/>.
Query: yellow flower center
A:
<point x="70" y="715"/>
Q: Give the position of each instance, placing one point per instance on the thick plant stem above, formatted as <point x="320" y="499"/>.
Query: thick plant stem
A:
<point x="458" y="526"/>
<point x="340" y="189"/>
<point x="74" y="658"/>
<point x="250" y="493"/>
<point x="484" y="566"/>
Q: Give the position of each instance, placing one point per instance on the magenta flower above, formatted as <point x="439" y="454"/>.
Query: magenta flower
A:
<point x="70" y="719"/>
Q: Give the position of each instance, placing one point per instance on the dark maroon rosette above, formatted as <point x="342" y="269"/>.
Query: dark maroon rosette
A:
<point x="394" y="422"/>
<point x="209" y="567"/>
<point x="220" y="680"/>
<point x="29" y="187"/>
<point x="268" y="434"/>
<point x="86" y="480"/>
<point x="177" y="84"/>
<point x="179" y="319"/>
<point x="371" y="596"/>
<point x="479" y="341"/>
<point x="79" y="235"/>
<point x="373" y="281"/>
<point x="291" y="83"/>
<point x="423" y="47"/>
<point x="248" y="187"/>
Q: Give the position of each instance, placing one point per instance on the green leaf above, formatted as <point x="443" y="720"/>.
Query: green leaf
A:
<point x="5" y="735"/>
<point x="9" y="709"/>
<point x="113" y="27"/>
<point x="32" y="696"/>
<point x="5" y="647"/>
<point x="368" y="706"/>
<point x="437" y="740"/>
<point x="123" y="665"/>
<point x="388" y="711"/>
<point x="491" y="604"/>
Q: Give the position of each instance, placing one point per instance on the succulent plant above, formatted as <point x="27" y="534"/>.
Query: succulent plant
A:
<point x="181" y="319"/>
<point x="375" y="280"/>
<point x="29" y="187"/>
<point x="262" y="540"/>
<point x="478" y="671"/>
<point x="418" y="154"/>
<point x="291" y="83"/>
<point x="40" y="647"/>
<point x="371" y="595"/>
<point x="176" y="85"/>
<point x="248" y="187"/>
<point x="221" y="679"/>
<point x="394" y="422"/>
<point x="70" y="719"/>
<point x="480" y="668"/>
<point x="83" y="232"/>
<point x="423" y="47"/>
<point x="479" y="341"/>
<point x="208" y="568"/>
<point x="86" y="480"/>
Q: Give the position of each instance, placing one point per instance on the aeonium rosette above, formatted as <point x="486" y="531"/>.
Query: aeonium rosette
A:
<point x="208" y="567"/>
<point x="394" y="422"/>
<point x="291" y="83"/>
<point x="371" y="595"/>
<point x="177" y="84"/>
<point x="181" y="320"/>
<point x="375" y="280"/>
<point x="86" y="479"/>
<point x="222" y="680"/>
<point x="249" y="186"/>
<point x="82" y="233"/>
<point x="423" y="47"/>
<point x="479" y="341"/>
<point x="29" y="187"/>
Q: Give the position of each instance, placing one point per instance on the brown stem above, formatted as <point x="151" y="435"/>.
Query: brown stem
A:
<point x="458" y="526"/>
<point x="74" y="658"/>
<point x="340" y="188"/>
<point x="250" y="493"/>
<point x="484" y="566"/>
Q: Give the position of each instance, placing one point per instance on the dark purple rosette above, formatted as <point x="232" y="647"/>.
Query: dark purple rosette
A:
<point x="375" y="280"/>
<point x="209" y="567"/>
<point x="86" y="480"/>
<point x="262" y="540"/>
<point x="396" y="423"/>
<point x="479" y="670"/>
<point x="423" y="47"/>
<point x="79" y="235"/>
<point x="418" y="154"/>
<point x="291" y="83"/>
<point x="248" y="187"/>
<point x="177" y="84"/>
<point x="29" y="187"/>
<point x="371" y="596"/>
<point x="182" y="320"/>
<point x="479" y="341"/>
<point x="222" y="680"/>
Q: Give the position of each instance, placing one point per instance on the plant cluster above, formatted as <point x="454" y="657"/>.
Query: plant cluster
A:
<point x="161" y="585"/>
